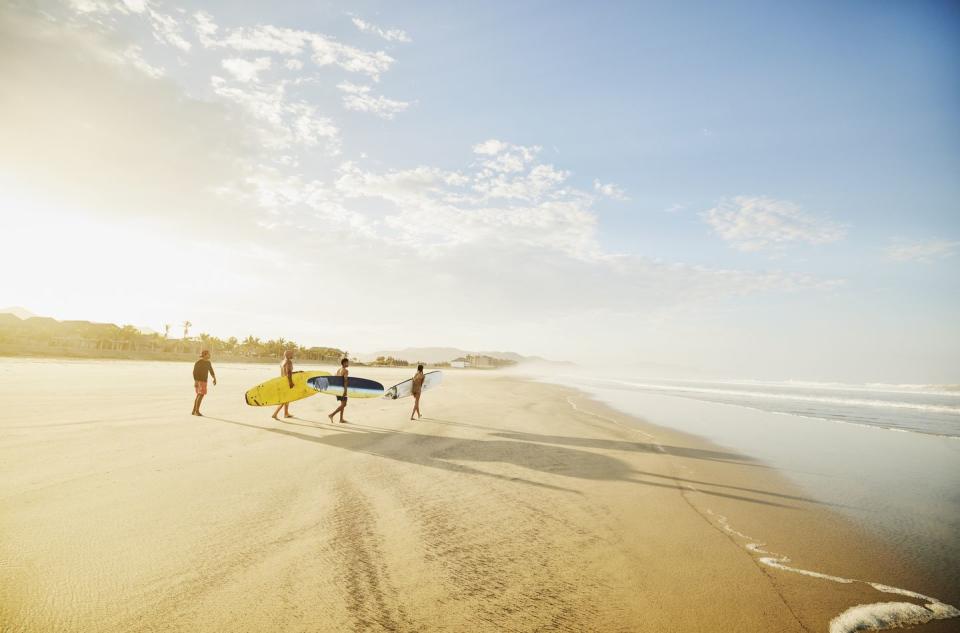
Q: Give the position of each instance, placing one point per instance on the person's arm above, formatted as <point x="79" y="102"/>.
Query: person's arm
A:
<point x="214" y="374"/>
<point x="288" y="367"/>
<point x="346" y="380"/>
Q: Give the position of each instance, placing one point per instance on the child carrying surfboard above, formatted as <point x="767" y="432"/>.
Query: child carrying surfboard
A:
<point x="343" y="371"/>
<point x="416" y="389"/>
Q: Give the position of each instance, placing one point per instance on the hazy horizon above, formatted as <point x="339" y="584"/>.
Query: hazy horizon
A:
<point x="745" y="191"/>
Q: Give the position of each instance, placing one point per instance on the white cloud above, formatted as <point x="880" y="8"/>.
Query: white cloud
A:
<point x="505" y="157"/>
<point x="327" y="51"/>
<point x="134" y="56"/>
<point x="91" y="6"/>
<point x="391" y="35"/>
<point x="925" y="251"/>
<point x="136" y="6"/>
<point x="167" y="29"/>
<point x="755" y="223"/>
<point x="244" y="70"/>
<point x="280" y="121"/>
<point x="532" y="185"/>
<point x="205" y="29"/>
<point x="324" y="50"/>
<point x="360" y="99"/>
<point x="610" y="190"/>
<point x="490" y="147"/>
<point x="293" y="64"/>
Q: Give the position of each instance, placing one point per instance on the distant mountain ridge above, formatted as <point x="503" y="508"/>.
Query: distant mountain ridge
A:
<point x="446" y="354"/>
<point x="19" y="312"/>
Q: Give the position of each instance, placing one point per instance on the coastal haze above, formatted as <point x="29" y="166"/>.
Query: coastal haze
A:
<point x="692" y="279"/>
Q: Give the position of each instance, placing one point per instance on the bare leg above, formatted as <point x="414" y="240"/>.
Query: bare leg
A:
<point x="196" y="404"/>
<point x="274" y="416"/>
<point x="336" y="411"/>
<point x="342" y="408"/>
<point x="286" y="411"/>
<point x="417" y="407"/>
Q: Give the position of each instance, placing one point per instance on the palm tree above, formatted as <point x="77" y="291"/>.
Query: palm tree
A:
<point x="251" y="345"/>
<point x="129" y="334"/>
<point x="166" y="330"/>
<point x="186" y="328"/>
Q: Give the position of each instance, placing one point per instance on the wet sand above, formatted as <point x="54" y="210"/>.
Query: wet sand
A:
<point x="511" y="506"/>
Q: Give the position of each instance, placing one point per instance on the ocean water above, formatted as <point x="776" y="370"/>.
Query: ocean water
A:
<point x="886" y="456"/>
<point x="931" y="409"/>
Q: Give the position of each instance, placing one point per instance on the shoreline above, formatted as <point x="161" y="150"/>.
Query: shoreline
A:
<point x="888" y="609"/>
<point x="514" y="505"/>
<point x="896" y="485"/>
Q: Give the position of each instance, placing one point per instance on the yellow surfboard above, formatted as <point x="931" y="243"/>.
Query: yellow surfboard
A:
<point x="278" y="391"/>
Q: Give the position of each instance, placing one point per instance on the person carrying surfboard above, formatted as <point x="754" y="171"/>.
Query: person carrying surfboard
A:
<point x="343" y="371"/>
<point x="286" y="370"/>
<point x="201" y="369"/>
<point x="416" y="389"/>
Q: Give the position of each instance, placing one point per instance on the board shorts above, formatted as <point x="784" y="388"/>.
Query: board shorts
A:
<point x="200" y="386"/>
<point x="342" y="398"/>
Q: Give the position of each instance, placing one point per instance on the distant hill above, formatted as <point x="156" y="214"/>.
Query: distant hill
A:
<point x="444" y="354"/>
<point x="20" y="313"/>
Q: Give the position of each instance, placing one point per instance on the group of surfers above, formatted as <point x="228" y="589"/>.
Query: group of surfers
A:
<point x="203" y="369"/>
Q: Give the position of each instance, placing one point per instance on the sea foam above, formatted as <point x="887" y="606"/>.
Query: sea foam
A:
<point x="877" y="616"/>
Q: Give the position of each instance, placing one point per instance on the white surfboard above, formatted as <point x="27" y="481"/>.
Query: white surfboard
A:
<point x="403" y="389"/>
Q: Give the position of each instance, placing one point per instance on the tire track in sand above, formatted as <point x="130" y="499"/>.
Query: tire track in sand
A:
<point x="372" y="600"/>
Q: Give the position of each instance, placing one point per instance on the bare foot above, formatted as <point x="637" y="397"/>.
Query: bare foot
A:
<point x="288" y="416"/>
<point x="274" y="416"/>
<point x="331" y="417"/>
<point x="198" y="414"/>
<point x="342" y="421"/>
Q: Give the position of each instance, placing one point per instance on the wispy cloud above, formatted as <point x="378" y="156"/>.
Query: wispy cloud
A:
<point x="924" y="251"/>
<point x="757" y="223"/>
<point x="361" y="99"/>
<point x="391" y="35"/>
<point x="323" y="49"/>
<point x="280" y="121"/>
<point x="244" y="70"/>
<point x="610" y="190"/>
<point x="133" y="55"/>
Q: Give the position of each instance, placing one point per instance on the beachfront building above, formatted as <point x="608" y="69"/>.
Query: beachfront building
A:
<point x="460" y="363"/>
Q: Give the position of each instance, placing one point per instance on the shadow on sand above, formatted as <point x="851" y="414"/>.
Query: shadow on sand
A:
<point x="545" y="454"/>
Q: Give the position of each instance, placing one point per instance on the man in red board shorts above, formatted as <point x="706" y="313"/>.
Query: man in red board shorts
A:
<point x="200" y="370"/>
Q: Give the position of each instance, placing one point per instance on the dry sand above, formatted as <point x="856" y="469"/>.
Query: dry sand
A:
<point x="513" y="506"/>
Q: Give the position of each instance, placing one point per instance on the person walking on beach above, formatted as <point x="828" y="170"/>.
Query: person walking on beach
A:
<point x="416" y="389"/>
<point x="343" y="371"/>
<point x="286" y="370"/>
<point x="201" y="369"/>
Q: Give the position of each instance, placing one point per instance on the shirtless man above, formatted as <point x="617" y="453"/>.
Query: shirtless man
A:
<point x="200" y="370"/>
<point x="343" y="371"/>
<point x="416" y="390"/>
<point x="286" y="369"/>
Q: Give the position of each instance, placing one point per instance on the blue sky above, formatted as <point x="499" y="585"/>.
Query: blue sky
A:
<point x="740" y="189"/>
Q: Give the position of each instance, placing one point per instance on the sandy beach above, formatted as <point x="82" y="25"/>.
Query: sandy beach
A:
<point x="511" y="506"/>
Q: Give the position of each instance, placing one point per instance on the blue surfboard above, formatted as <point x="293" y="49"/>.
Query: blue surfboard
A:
<point x="356" y="387"/>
